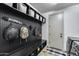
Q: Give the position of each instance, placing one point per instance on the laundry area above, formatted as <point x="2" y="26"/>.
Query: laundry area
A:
<point x="39" y="29"/>
<point x="61" y="28"/>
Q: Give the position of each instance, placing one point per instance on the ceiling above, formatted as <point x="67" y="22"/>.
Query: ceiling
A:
<point x="46" y="7"/>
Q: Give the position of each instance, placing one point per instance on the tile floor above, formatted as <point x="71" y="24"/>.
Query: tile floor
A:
<point x="44" y="52"/>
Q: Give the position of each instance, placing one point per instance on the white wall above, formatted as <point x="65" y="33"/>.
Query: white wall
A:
<point x="45" y="29"/>
<point x="71" y="23"/>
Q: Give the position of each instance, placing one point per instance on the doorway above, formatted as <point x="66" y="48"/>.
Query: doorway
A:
<point x="56" y="31"/>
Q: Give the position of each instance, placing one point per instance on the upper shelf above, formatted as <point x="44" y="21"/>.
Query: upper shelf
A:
<point x="28" y="15"/>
